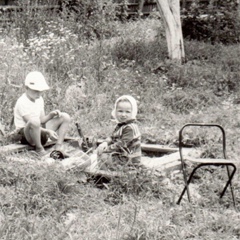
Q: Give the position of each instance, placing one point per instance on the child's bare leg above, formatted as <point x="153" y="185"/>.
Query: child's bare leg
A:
<point x="59" y="125"/>
<point x="32" y="133"/>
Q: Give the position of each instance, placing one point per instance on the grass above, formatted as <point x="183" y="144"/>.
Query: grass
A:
<point x="39" y="202"/>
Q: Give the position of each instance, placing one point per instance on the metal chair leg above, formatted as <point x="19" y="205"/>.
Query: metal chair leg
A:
<point x="208" y="162"/>
<point x="187" y="184"/>
<point x="229" y="182"/>
<point x="230" y="177"/>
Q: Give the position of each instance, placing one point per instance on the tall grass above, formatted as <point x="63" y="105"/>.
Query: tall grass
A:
<point x="38" y="202"/>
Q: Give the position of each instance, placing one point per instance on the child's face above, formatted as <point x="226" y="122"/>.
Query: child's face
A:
<point x="33" y="94"/>
<point x="124" y="111"/>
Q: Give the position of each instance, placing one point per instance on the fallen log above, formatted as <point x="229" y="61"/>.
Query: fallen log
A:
<point x="18" y="147"/>
<point x="103" y="173"/>
<point x="166" y="163"/>
<point x="157" y="148"/>
<point x="169" y="162"/>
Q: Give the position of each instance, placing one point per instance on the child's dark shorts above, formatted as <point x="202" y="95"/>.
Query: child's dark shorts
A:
<point x="23" y="140"/>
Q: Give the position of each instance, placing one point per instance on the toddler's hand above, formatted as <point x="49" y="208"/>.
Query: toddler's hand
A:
<point x="52" y="135"/>
<point x="101" y="148"/>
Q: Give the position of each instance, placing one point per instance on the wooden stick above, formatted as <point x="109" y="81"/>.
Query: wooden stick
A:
<point x="81" y="134"/>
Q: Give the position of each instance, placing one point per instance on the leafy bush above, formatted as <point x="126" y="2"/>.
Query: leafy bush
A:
<point x="214" y="67"/>
<point x="27" y="20"/>
<point x="142" y="41"/>
<point x="184" y="101"/>
<point x="218" y="22"/>
<point x="90" y="19"/>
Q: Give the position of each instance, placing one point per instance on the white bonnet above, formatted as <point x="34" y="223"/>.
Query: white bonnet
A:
<point x="133" y="103"/>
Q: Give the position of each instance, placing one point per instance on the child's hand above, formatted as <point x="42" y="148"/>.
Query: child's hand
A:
<point x="55" y="113"/>
<point x="52" y="135"/>
<point x="101" y="148"/>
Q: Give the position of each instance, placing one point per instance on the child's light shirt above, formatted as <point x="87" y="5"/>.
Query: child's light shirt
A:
<point x="24" y="106"/>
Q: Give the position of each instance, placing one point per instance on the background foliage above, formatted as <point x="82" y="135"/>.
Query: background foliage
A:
<point x="215" y="22"/>
<point x="87" y="71"/>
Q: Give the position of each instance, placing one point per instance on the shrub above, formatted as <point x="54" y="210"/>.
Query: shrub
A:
<point x="218" y="22"/>
<point x="142" y="42"/>
<point x="27" y="20"/>
<point x="214" y="67"/>
<point x="90" y="19"/>
<point x="184" y="101"/>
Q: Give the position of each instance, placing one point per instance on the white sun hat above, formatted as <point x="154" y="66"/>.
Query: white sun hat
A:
<point x="36" y="81"/>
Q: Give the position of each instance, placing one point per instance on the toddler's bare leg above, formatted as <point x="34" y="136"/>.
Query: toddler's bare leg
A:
<point x="105" y="161"/>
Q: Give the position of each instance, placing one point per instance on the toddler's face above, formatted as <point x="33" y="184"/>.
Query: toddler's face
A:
<point x="124" y="111"/>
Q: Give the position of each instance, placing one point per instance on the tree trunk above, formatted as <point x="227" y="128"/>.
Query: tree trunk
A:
<point x="170" y="12"/>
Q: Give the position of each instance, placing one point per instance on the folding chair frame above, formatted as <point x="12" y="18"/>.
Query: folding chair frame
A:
<point x="206" y="162"/>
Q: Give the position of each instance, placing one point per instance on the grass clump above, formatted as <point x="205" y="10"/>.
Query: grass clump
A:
<point x="181" y="101"/>
<point x="39" y="201"/>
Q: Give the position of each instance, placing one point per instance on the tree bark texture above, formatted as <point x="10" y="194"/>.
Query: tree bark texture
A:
<point x="170" y="12"/>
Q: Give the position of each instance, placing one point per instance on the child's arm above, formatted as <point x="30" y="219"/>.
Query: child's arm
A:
<point x="45" y="118"/>
<point x="52" y="134"/>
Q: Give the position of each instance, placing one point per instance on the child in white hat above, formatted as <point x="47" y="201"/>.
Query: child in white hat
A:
<point x="30" y="117"/>
<point x="124" y="146"/>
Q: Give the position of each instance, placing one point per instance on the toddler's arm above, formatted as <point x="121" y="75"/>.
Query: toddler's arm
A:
<point x="122" y="143"/>
<point x="103" y="146"/>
